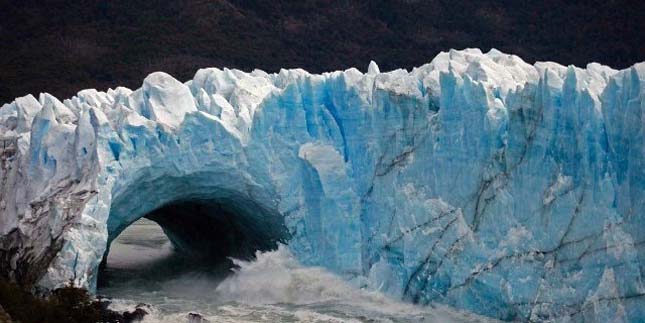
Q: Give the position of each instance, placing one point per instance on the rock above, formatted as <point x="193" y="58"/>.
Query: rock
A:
<point x="135" y="316"/>
<point x="196" y="318"/>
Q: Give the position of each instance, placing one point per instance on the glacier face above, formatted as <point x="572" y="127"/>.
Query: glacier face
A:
<point x="512" y="190"/>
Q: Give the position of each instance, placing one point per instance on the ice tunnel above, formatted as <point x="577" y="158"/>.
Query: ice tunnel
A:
<point x="200" y="218"/>
<point x="213" y="228"/>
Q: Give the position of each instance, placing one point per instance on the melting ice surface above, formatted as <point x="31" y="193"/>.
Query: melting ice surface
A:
<point x="272" y="288"/>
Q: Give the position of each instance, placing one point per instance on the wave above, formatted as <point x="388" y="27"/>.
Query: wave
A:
<point x="275" y="287"/>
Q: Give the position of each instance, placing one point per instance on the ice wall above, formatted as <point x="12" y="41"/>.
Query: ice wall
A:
<point x="512" y="190"/>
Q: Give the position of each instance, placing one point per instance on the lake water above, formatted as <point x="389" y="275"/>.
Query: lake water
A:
<point x="142" y="268"/>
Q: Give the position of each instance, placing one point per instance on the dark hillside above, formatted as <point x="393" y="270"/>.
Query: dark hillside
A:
<point x="61" y="46"/>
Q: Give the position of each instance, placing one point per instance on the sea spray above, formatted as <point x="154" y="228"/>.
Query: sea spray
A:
<point x="274" y="287"/>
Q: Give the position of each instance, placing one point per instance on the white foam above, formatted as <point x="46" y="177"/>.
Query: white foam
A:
<point x="276" y="288"/>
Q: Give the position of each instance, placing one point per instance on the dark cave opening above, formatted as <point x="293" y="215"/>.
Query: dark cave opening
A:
<point x="216" y="231"/>
<point x="201" y="235"/>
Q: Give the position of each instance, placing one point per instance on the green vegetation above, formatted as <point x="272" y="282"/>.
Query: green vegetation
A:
<point x="68" y="304"/>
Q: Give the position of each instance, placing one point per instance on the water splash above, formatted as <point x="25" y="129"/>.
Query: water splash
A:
<point x="272" y="288"/>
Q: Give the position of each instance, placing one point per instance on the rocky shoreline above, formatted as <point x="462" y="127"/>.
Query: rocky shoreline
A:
<point x="67" y="304"/>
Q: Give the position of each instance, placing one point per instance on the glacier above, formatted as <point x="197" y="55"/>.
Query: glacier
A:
<point x="512" y="190"/>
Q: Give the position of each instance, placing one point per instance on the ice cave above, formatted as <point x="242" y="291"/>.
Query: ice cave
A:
<point x="200" y="219"/>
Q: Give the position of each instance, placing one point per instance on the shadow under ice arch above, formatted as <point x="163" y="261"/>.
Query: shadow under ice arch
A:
<point x="203" y="214"/>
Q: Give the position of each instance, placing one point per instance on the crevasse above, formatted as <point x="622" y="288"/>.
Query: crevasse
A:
<point x="512" y="190"/>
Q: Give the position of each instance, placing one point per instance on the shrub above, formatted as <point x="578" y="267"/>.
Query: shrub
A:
<point x="67" y="304"/>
